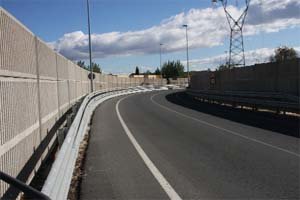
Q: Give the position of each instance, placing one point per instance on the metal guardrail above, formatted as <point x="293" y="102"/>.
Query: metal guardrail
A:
<point x="13" y="191"/>
<point x="264" y="100"/>
<point x="58" y="182"/>
<point x="267" y="95"/>
<point x="30" y="191"/>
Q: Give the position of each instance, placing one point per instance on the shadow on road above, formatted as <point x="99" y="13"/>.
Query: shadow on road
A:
<point x="288" y="125"/>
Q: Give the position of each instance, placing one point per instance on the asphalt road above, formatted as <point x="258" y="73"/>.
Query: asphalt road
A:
<point x="145" y="146"/>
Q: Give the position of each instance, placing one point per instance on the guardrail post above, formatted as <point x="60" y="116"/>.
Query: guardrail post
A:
<point x="61" y="136"/>
<point x="277" y="111"/>
<point x="70" y="119"/>
<point x="75" y="108"/>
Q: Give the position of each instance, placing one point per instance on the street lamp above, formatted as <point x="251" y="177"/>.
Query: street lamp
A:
<point x="160" y="45"/>
<point x="187" y="52"/>
<point x="90" y="45"/>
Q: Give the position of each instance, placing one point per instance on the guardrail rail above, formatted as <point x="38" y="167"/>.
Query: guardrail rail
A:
<point x="59" y="179"/>
<point x="273" y="101"/>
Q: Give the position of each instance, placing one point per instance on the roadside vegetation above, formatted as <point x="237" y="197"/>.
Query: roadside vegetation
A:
<point x="96" y="67"/>
<point x="169" y="70"/>
<point x="281" y="54"/>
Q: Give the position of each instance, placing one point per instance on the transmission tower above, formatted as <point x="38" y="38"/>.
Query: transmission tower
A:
<point x="236" y="50"/>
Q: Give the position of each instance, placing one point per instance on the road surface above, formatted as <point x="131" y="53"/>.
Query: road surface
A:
<point x="145" y="146"/>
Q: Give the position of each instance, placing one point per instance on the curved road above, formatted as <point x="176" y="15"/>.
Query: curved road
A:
<point x="145" y="147"/>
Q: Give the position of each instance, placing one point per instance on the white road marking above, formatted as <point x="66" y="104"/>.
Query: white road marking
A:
<point x="223" y="129"/>
<point x="156" y="173"/>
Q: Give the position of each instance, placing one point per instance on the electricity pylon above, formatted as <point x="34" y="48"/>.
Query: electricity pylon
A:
<point x="236" y="50"/>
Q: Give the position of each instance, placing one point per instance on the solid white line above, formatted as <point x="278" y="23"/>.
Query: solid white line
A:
<point x="223" y="129"/>
<point x="156" y="173"/>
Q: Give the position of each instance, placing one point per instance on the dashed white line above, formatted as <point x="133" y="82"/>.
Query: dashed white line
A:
<point x="154" y="170"/>
<point x="223" y="129"/>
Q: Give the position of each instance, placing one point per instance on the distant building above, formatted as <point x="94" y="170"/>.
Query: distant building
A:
<point x="136" y="76"/>
<point x="123" y="76"/>
<point x="147" y="76"/>
<point x="152" y="76"/>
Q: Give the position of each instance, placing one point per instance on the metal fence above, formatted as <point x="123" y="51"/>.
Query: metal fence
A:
<point x="271" y="86"/>
<point x="278" y="77"/>
<point x="37" y="86"/>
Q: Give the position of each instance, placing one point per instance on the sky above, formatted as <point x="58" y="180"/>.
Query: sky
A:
<point x="128" y="33"/>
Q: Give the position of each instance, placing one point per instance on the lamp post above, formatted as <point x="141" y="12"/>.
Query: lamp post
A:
<point x="90" y="45"/>
<point x="187" y="52"/>
<point x="162" y="79"/>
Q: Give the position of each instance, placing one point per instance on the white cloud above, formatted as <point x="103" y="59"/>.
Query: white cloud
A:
<point x="207" y="28"/>
<point x="255" y="56"/>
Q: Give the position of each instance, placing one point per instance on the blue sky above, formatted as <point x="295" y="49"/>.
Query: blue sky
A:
<point x="127" y="33"/>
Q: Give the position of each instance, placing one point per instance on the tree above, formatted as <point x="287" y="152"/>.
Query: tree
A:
<point x="224" y="67"/>
<point x="172" y="69"/>
<point x="284" y="53"/>
<point x="157" y="71"/>
<point x="148" y="72"/>
<point x="96" y="67"/>
<point x="137" y="71"/>
<point x="81" y="63"/>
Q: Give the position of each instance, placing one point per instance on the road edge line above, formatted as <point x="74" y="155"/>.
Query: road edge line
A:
<point x="223" y="129"/>
<point x="154" y="170"/>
